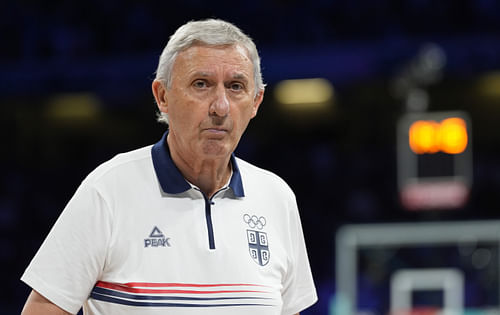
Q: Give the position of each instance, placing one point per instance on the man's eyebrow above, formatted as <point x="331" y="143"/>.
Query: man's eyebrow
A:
<point x="240" y="76"/>
<point x="206" y="74"/>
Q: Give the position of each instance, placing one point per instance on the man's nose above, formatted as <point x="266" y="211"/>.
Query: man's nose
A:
<point x="220" y="103"/>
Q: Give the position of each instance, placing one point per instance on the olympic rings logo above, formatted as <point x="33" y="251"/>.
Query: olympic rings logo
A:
<point x="254" y="221"/>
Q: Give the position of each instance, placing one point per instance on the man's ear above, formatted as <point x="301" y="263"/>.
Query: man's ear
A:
<point x="257" y="101"/>
<point x="160" y="94"/>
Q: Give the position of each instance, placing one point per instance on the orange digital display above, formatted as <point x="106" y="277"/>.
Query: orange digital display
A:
<point x="429" y="136"/>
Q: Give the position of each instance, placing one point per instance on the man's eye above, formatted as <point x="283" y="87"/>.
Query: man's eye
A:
<point x="200" y="84"/>
<point x="236" y="86"/>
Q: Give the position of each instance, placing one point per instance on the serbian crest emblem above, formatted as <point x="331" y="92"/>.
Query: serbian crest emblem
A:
<point x="258" y="244"/>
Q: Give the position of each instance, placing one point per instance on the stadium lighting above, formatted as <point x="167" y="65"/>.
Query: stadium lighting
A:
<point x="304" y="94"/>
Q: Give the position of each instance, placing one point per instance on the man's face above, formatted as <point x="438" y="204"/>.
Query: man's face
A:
<point x="211" y="100"/>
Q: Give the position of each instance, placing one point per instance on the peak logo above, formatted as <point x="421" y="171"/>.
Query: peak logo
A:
<point x="157" y="239"/>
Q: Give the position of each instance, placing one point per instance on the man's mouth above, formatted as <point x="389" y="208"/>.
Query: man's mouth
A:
<point x="216" y="131"/>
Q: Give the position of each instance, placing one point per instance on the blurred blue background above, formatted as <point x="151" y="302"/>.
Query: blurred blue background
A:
<point x="342" y="166"/>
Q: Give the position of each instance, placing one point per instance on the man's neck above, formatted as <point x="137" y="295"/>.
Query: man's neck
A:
<point x="208" y="174"/>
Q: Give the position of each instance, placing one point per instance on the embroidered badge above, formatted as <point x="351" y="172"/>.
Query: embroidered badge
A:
<point x="258" y="244"/>
<point x="254" y="221"/>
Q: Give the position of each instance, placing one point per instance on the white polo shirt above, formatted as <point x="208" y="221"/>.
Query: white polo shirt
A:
<point x="137" y="238"/>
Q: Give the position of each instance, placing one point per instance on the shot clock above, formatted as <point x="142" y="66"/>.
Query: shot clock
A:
<point x="434" y="160"/>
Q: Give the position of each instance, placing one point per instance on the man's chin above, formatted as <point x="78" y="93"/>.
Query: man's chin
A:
<point x="215" y="148"/>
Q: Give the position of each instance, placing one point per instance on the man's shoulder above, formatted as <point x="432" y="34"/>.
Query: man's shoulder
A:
<point x="262" y="177"/>
<point x="250" y="168"/>
<point x="122" y="162"/>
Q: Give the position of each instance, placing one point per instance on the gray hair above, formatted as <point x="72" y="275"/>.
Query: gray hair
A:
<point x="211" y="32"/>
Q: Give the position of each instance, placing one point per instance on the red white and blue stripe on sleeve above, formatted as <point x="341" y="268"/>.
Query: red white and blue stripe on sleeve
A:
<point x="142" y="294"/>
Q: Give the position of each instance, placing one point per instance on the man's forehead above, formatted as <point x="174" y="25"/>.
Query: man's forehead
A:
<point x="229" y="53"/>
<point x="202" y="46"/>
<point x="206" y="60"/>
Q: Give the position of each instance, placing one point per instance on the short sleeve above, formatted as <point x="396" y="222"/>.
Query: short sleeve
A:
<point x="299" y="291"/>
<point x="71" y="259"/>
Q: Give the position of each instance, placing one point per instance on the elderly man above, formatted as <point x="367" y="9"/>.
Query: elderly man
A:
<point x="183" y="226"/>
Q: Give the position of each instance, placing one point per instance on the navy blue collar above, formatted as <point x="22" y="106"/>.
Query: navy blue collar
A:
<point x="171" y="179"/>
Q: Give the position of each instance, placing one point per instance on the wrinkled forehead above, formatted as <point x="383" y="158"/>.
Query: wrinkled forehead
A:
<point x="201" y="49"/>
<point x="211" y="57"/>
